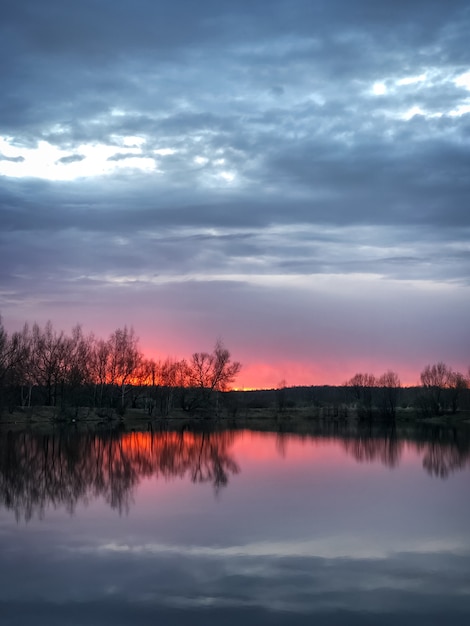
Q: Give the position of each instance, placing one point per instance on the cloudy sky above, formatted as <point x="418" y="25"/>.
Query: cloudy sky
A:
<point x="290" y="175"/>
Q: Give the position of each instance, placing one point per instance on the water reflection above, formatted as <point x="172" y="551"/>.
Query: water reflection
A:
<point x="37" y="471"/>
<point x="312" y="528"/>
<point x="67" y="468"/>
<point x="443" y="450"/>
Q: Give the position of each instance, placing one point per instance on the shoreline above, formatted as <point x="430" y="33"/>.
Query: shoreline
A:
<point x="302" y="421"/>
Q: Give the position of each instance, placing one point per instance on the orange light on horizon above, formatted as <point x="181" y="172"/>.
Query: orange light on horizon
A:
<point x="259" y="375"/>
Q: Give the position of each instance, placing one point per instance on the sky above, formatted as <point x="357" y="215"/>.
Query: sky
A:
<point x="291" y="176"/>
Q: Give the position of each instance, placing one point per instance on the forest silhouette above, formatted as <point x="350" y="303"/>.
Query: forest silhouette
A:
<point x="40" y="366"/>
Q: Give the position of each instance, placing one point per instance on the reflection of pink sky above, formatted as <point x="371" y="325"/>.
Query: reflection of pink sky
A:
<point x="269" y="447"/>
<point x="270" y="459"/>
<point x="260" y="448"/>
<point x="168" y="488"/>
<point x="253" y="452"/>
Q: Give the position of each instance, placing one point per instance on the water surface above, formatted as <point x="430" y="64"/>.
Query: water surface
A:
<point x="258" y="528"/>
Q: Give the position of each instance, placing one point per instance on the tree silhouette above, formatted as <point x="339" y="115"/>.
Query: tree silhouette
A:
<point x="209" y="373"/>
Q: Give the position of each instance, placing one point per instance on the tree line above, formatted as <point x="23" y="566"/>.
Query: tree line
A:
<point x="440" y="391"/>
<point x="39" y="365"/>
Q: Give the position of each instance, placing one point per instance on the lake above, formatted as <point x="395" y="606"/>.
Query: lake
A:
<point x="343" y="526"/>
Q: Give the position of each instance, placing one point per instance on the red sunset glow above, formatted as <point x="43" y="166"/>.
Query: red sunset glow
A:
<point x="275" y="373"/>
<point x="289" y="360"/>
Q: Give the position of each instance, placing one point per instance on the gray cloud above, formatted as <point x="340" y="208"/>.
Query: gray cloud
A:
<point x="18" y="159"/>
<point x="73" y="158"/>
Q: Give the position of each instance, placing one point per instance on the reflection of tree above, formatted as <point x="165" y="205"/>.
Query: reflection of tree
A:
<point x="38" y="471"/>
<point x="281" y="444"/>
<point x="444" y="450"/>
<point x="367" y="446"/>
<point x="442" y="460"/>
<point x="447" y="452"/>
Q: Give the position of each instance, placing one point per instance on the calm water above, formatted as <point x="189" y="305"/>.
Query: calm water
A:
<point x="235" y="527"/>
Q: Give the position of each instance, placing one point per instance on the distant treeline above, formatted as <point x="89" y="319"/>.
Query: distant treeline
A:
<point x="40" y="366"/>
<point x="352" y="400"/>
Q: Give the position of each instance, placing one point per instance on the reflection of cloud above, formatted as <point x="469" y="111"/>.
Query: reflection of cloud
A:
<point x="309" y="585"/>
<point x="339" y="546"/>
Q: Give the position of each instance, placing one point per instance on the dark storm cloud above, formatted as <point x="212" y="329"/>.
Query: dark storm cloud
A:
<point x="158" y="50"/>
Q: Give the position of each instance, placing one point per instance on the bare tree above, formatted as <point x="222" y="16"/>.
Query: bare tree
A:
<point x="281" y="395"/>
<point x="47" y="347"/>
<point x="389" y="385"/>
<point x="212" y="372"/>
<point x="456" y="384"/>
<point x="173" y="378"/>
<point x="76" y="352"/>
<point x="362" y="386"/>
<point x="99" y="358"/>
<point x="144" y="383"/>
<point x="124" y="359"/>
<point x="14" y="352"/>
<point x="435" y="379"/>
<point x="436" y="375"/>
<point x="26" y="367"/>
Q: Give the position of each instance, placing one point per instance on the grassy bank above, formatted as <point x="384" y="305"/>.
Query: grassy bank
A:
<point x="302" y="419"/>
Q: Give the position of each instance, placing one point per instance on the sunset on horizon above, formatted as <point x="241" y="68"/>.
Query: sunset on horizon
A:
<point x="293" y="180"/>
